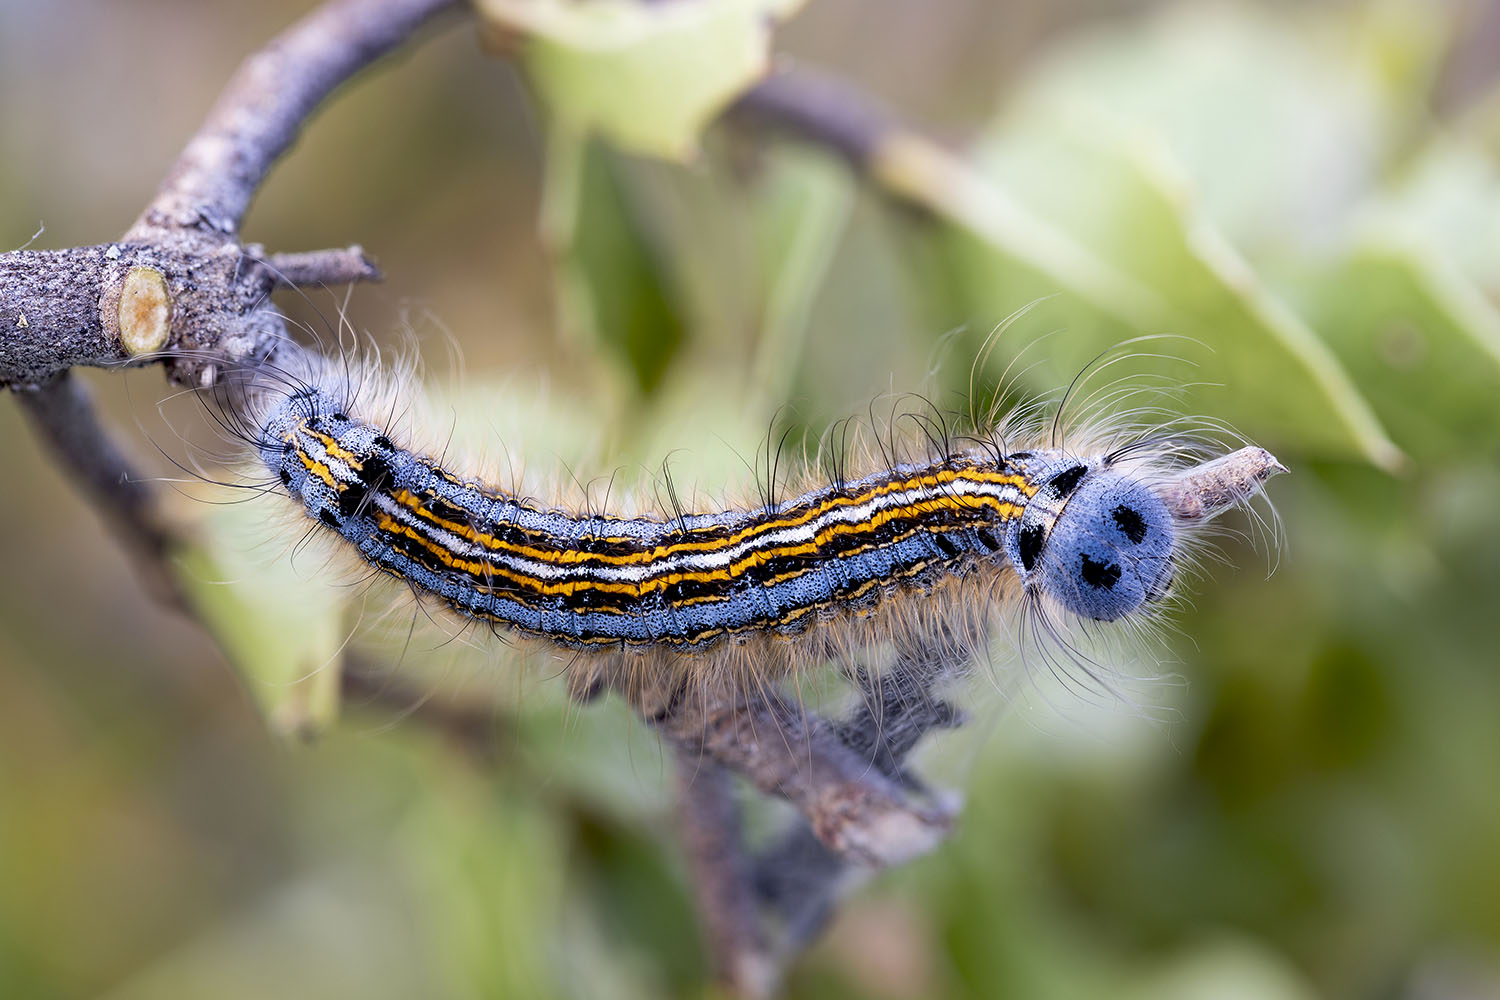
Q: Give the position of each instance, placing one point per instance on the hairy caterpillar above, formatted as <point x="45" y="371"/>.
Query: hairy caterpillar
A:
<point x="923" y="551"/>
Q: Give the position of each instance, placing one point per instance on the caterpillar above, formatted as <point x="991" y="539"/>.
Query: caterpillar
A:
<point x="926" y="550"/>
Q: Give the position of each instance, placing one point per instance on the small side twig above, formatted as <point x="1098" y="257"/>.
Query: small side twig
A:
<point x="323" y="267"/>
<point x="798" y="878"/>
<point x="1205" y="491"/>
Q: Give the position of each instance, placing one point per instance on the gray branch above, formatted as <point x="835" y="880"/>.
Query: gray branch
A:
<point x="62" y="413"/>
<point x="822" y="109"/>
<point x="792" y="753"/>
<point x="62" y="308"/>
<point x="709" y="825"/>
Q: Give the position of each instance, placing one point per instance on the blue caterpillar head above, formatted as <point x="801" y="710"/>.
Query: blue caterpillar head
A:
<point x="1096" y="541"/>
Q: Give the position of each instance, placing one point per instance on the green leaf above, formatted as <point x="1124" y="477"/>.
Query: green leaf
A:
<point x="1446" y="206"/>
<point x="1164" y="175"/>
<point x="1277" y="118"/>
<point x="1404" y="304"/>
<point x="279" y="619"/>
<point x="612" y="283"/>
<point x="776" y="230"/>
<point x="1122" y="198"/>
<point x="646" y="76"/>
<point x="803" y="207"/>
<point x="1422" y="341"/>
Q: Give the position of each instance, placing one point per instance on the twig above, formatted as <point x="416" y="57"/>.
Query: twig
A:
<point x="323" y="267"/>
<point x="63" y="414"/>
<point x="792" y="753"/>
<point x="709" y="825"/>
<point x="262" y="110"/>
<point x="61" y="308"/>
<point x="824" y="110"/>
<point x="1205" y="491"/>
<point x="799" y="879"/>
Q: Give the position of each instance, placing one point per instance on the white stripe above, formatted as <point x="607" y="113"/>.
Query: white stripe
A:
<point x="695" y="561"/>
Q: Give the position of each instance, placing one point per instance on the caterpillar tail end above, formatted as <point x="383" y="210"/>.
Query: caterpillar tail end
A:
<point x="1206" y="491"/>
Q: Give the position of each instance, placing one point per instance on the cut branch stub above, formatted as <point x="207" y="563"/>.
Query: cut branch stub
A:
<point x="205" y="306"/>
<point x="145" y="313"/>
<point x="123" y="303"/>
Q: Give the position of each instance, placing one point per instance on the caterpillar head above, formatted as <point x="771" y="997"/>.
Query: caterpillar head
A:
<point x="1095" y="540"/>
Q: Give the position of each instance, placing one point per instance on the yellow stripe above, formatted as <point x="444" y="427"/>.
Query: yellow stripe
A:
<point x="566" y="588"/>
<point x="565" y="556"/>
<point x="333" y="448"/>
<point x="318" y="469"/>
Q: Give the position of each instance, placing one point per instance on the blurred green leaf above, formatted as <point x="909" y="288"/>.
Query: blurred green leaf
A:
<point x="1224" y="969"/>
<point x="280" y="623"/>
<point x="1278" y="119"/>
<point x="802" y="211"/>
<point x="1446" y="206"/>
<point x="646" y="76"/>
<point x="1423" y="343"/>
<point x="612" y="284"/>
<point x="777" y="228"/>
<point x="1174" y="150"/>
<point x="1124" y="199"/>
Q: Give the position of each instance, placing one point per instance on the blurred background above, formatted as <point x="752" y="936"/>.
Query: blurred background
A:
<point x="1306" y="197"/>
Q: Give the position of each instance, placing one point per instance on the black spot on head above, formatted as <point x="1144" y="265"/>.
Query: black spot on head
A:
<point x="286" y="478"/>
<point x="341" y="416"/>
<point x="945" y="545"/>
<point x="1019" y="454"/>
<point x="1130" y="523"/>
<point x="329" y="518"/>
<point x="1031" y="545"/>
<point x="1100" y="575"/>
<point x="988" y="540"/>
<point x="383" y="443"/>
<point x="1066" y="481"/>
